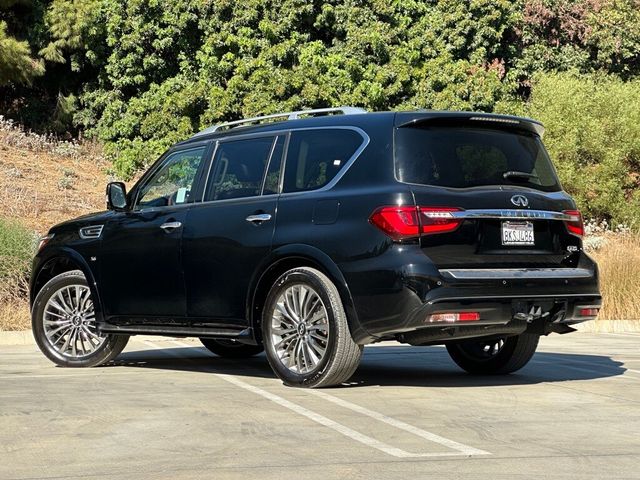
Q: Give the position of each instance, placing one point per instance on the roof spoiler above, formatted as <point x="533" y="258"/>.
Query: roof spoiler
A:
<point x="507" y="122"/>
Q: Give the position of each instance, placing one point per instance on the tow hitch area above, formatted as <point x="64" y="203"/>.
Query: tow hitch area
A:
<point x="530" y="311"/>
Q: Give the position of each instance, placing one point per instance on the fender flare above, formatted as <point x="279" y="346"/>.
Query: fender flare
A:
<point x="66" y="253"/>
<point x="308" y="255"/>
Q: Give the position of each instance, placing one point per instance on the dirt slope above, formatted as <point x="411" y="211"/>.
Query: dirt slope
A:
<point x="42" y="188"/>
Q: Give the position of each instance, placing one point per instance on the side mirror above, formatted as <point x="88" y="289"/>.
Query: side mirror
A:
<point x="116" y="196"/>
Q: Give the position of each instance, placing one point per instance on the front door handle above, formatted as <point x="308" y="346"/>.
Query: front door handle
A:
<point x="258" y="218"/>
<point x="170" y="226"/>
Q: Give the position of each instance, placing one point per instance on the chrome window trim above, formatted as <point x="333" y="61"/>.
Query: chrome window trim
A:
<point x="365" y="142"/>
<point x="287" y="132"/>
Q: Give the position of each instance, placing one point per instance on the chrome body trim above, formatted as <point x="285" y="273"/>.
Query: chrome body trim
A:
<point x="91" y="232"/>
<point x="258" y="218"/>
<point x="170" y="226"/>
<point x="515" y="273"/>
<point x="512" y="214"/>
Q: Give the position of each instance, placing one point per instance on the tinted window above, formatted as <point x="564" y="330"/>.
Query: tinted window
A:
<point x="239" y="168"/>
<point x="172" y="183"/>
<point x="315" y="157"/>
<point x="469" y="157"/>
<point x="272" y="180"/>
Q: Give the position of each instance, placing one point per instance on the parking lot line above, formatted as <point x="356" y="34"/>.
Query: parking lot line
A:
<point x="460" y="449"/>
<point x="432" y="437"/>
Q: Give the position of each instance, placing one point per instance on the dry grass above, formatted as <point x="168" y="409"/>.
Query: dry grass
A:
<point x="43" y="181"/>
<point x="14" y="315"/>
<point x="619" y="262"/>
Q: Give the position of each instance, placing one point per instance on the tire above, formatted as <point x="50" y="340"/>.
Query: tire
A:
<point x="230" y="348"/>
<point x="52" y="325"/>
<point x="496" y="356"/>
<point x="305" y="296"/>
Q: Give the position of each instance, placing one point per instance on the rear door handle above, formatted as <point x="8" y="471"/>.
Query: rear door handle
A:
<point x="170" y="226"/>
<point x="258" y="218"/>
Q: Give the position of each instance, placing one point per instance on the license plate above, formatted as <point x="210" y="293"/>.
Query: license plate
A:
<point x="517" y="233"/>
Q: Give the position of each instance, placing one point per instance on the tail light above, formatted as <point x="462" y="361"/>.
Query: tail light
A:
<point x="402" y="223"/>
<point x="589" y="312"/>
<point x="574" y="225"/>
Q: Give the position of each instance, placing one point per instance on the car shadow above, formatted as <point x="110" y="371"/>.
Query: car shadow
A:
<point x="389" y="366"/>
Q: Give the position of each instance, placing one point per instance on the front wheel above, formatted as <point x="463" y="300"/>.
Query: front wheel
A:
<point x="305" y="331"/>
<point x="496" y="356"/>
<point x="63" y="320"/>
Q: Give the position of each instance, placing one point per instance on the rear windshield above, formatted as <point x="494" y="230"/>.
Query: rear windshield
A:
<point x="462" y="157"/>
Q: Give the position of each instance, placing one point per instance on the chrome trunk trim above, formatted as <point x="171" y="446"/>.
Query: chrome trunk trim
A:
<point x="512" y="214"/>
<point x="515" y="273"/>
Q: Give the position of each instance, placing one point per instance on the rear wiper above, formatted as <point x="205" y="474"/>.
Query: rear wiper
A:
<point x="516" y="174"/>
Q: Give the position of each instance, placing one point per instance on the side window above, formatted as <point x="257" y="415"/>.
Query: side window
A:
<point x="171" y="185"/>
<point x="315" y="157"/>
<point x="239" y="168"/>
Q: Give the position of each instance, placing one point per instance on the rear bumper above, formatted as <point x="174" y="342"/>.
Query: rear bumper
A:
<point x="394" y="300"/>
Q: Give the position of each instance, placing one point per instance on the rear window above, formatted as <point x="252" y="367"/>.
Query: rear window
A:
<point x="461" y="157"/>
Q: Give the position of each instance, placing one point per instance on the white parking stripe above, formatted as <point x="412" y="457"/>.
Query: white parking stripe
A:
<point x="461" y="450"/>
<point x="327" y="422"/>
<point x="432" y="437"/>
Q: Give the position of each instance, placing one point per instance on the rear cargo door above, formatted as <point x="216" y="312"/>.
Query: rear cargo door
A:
<point x="488" y="196"/>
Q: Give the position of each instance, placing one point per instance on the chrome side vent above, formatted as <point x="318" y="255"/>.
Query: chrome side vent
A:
<point x="92" y="232"/>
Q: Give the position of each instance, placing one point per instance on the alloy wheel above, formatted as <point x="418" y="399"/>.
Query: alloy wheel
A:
<point x="300" y="329"/>
<point x="70" y="323"/>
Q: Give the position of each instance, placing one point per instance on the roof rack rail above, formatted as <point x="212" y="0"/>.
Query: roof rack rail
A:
<point x="285" y="115"/>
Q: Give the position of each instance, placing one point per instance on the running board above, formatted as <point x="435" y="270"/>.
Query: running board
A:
<point x="242" y="336"/>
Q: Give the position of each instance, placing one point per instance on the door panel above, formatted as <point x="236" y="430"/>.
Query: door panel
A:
<point x="221" y="252"/>
<point x="227" y="236"/>
<point x="141" y="264"/>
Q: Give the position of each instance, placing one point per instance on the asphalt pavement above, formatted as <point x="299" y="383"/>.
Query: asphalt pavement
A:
<point x="167" y="408"/>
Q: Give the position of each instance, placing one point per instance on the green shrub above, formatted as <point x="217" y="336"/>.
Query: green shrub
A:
<point x="593" y="136"/>
<point x="16" y="251"/>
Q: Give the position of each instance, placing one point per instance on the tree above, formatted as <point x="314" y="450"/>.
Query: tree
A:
<point x="16" y="62"/>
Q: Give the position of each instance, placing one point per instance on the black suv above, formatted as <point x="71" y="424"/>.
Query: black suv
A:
<point x="311" y="234"/>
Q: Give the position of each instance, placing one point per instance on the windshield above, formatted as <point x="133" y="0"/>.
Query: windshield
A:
<point x="462" y="157"/>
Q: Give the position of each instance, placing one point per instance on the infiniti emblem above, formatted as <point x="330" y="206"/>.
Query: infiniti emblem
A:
<point x="519" y="200"/>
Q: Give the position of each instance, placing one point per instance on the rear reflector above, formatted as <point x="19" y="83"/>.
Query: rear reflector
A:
<point x="589" y="312"/>
<point x="454" y="317"/>
<point x="574" y="225"/>
<point x="402" y="223"/>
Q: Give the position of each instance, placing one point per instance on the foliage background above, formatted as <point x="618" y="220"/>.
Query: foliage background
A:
<point x="140" y="75"/>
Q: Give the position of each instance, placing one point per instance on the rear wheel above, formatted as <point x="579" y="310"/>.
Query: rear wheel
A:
<point x="305" y="331"/>
<point x="495" y="356"/>
<point x="230" y="348"/>
<point x="64" y="325"/>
